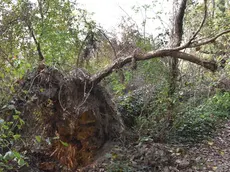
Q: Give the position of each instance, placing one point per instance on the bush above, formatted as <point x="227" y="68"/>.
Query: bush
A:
<point x="135" y="104"/>
<point x="200" y="122"/>
<point x="193" y="122"/>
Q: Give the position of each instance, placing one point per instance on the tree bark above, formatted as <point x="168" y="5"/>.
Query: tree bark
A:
<point x="120" y="62"/>
<point x="213" y="8"/>
<point x="175" y="41"/>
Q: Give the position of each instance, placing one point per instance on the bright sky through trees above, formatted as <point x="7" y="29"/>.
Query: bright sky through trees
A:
<point x="108" y="13"/>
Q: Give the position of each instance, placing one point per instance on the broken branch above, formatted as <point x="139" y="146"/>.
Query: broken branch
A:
<point x="119" y="63"/>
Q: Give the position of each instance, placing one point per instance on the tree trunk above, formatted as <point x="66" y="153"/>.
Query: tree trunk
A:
<point x="175" y="41"/>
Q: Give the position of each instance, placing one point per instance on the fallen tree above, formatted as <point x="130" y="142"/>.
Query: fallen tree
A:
<point x="72" y="114"/>
<point x="73" y="111"/>
<point x="75" y="115"/>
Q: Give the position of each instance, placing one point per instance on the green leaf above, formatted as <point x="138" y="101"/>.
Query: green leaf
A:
<point x="15" y="117"/>
<point x="21" y="121"/>
<point x="16" y="136"/>
<point x="8" y="156"/>
<point x="5" y="127"/>
<point x="4" y="105"/>
<point x="21" y="162"/>
<point x="17" y="112"/>
<point x="64" y="143"/>
<point x="38" y="138"/>
<point x="17" y="155"/>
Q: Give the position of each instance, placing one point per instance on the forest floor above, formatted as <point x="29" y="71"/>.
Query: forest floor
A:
<point x="211" y="155"/>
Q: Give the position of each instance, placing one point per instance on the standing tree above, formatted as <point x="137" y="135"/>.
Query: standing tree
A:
<point x="175" y="41"/>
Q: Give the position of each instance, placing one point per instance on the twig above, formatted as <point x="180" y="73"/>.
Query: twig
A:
<point x="59" y="99"/>
<point x="129" y="16"/>
<point x="32" y="83"/>
<point x="86" y="96"/>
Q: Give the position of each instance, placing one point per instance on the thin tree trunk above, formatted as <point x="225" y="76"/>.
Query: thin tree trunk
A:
<point x="214" y="7"/>
<point x="175" y="41"/>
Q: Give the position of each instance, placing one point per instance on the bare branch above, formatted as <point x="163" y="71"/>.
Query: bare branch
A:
<point x="192" y="43"/>
<point x="202" y="23"/>
<point x="200" y="27"/>
<point x="187" y="44"/>
<point x="195" y="44"/>
<point x="179" y="26"/>
<point x="119" y="63"/>
<point x="129" y="17"/>
<point x="110" y="43"/>
<point x="175" y="41"/>
<point x="173" y="52"/>
<point x="211" y="40"/>
<point x="41" y="57"/>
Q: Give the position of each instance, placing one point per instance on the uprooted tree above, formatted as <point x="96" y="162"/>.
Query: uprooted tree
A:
<point x="75" y="112"/>
<point x="78" y="113"/>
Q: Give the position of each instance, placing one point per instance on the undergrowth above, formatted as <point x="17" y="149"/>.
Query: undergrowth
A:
<point x="200" y="122"/>
<point x="193" y="122"/>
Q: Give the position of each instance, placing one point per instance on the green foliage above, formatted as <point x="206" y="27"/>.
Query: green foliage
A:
<point x="220" y="104"/>
<point x="153" y="72"/>
<point x="61" y="28"/>
<point x="192" y="127"/>
<point x="198" y="123"/>
<point x="115" y="84"/>
<point x="193" y="122"/>
<point x="58" y="26"/>
<point x="153" y="121"/>
<point x="131" y="106"/>
<point x="10" y="159"/>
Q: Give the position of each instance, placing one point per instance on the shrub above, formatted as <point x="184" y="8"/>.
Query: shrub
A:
<point x="198" y="123"/>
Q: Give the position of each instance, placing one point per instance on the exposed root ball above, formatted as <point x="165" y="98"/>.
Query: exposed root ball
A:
<point x="76" y="116"/>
